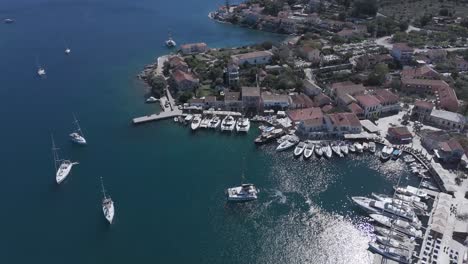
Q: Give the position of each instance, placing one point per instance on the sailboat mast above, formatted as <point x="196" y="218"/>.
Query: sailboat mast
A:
<point x="77" y="126"/>
<point x="54" y="151"/>
<point x="103" y="190"/>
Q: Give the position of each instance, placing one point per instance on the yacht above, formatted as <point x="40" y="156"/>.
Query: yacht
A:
<point x="318" y="150"/>
<point x="299" y="149"/>
<point x="205" y="122"/>
<point x="67" y="51"/>
<point x="386" y="153"/>
<point x="290" y="142"/>
<point x="352" y="148"/>
<point x="269" y="136"/>
<point x="243" y="124"/>
<point x="309" y="150"/>
<point x="412" y="191"/>
<point x="107" y="205"/>
<point x="244" y="193"/>
<point x="327" y="150"/>
<point x="372" y="147"/>
<point x="365" y="146"/>
<point x="374" y="207"/>
<point x="41" y="72"/>
<point x="228" y="124"/>
<point x="429" y="185"/>
<point x="151" y="99"/>
<point x="62" y="167"/>
<point x="396" y="254"/>
<point x="214" y="123"/>
<point x="419" y="208"/>
<point x="398" y="225"/>
<point x="359" y="147"/>
<point x="387" y="232"/>
<point x="188" y="118"/>
<point x="195" y="122"/>
<point x="77" y="136"/>
<point x="388" y="241"/>
<point x="344" y="148"/>
<point x="337" y="149"/>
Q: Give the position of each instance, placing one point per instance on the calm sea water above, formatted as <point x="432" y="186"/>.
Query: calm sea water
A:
<point x="167" y="183"/>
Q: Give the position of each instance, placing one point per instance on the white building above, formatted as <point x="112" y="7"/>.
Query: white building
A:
<point x="253" y="58"/>
<point x="275" y="101"/>
<point x="447" y="120"/>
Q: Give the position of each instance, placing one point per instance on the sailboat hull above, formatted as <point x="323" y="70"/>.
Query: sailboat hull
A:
<point x="63" y="171"/>
<point x="108" y="210"/>
<point x="76" y="138"/>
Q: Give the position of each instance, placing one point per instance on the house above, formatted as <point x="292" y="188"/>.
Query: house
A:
<point x="371" y="60"/>
<point x="462" y="64"/>
<point x="402" y="52"/>
<point x="193" y="48"/>
<point x="275" y="101"/>
<point x="311" y="54"/>
<point x="370" y="104"/>
<point x="444" y="146"/>
<point x="232" y="74"/>
<point x="183" y="81"/>
<point x="253" y="58"/>
<point x="422" y="110"/>
<point x="344" y="92"/>
<point x="421" y="86"/>
<point x="423" y="72"/>
<point x="322" y="99"/>
<point x="178" y="63"/>
<point x="232" y="101"/>
<point x="251" y="98"/>
<point x="446" y="98"/>
<point x="447" y="120"/>
<point x="389" y="102"/>
<point x="399" y="135"/>
<point x="301" y="101"/>
<point x="298" y="115"/>
<point x="356" y="109"/>
<point x="311" y="88"/>
<point x="342" y="123"/>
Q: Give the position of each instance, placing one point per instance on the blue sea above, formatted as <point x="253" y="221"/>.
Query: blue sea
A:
<point x="167" y="182"/>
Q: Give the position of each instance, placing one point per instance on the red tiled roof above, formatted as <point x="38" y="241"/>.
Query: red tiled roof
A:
<point x="313" y="122"/>
<point x="423" y="71"/>
<point x="367" y="100"/>
<point x="302" y="99"/>
<point x="450" y="145"/>
<point x="327" y="108"/>
<point x="424" y="104"/>
<point x="322" y="99"/>
<point x="344" y="119"/>
<point x="385" y="96"/>
<point x="179" y="76"/>
<point x="305" y="114"/>
<point x="355" y="108"/>
<point x="231" y="96"/>
<point x="401" y="132"/>
<point x="347" y="87"/>
<point x="447" y="98"/>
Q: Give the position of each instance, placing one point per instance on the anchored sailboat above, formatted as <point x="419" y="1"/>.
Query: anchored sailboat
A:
<point x="244" y="193"/>
<point x="107" y="205"/>
<point x="62" y="167"/>
<point x="77" y="136"/>
<point x="170" y="43"/>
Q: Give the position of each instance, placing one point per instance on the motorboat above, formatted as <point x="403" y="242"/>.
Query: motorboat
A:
<point x="336" y="148"/>
<point x="77" y="136"/>
<point x="372" y="147"/>
<point x="107" y="205"/>
<point x="195" y="124"/>
<point x="344" y="148"/>
<point x="388" y="241"/>
<point x="327" y="150"/>
<point x="228" y="123"/>
<point x="290" y="142"/>
<point x="318" y="150"/>
<point x="351" y="148"/>
<point x="375" y="207"/>
<point x="396" y="254"/>
<point x="41" y="72"/>
<point x="365" y="146"/>
<point x="299" y="149"/>
<point x="309" y="150"/>
<point x="188" y="118"/>
<point x="243" y="124"/>
<point x="170" y="42"/>
<point x="359" y="147"/>
<point x="396" y="154"/>
<point x="412" y="191"/>
<point x="269" y="136"/>
<point x="398" y="225"/>
<point x="419" y="208"/>
<point x="243" y="193"/>
<point x="205" y="122"/>
<point x="386" y="153"/>
<point x="151" y="99"/>
<point x="214" y="122"/>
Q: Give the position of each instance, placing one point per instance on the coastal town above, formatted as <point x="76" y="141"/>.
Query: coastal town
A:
<point x="347" y="79"/>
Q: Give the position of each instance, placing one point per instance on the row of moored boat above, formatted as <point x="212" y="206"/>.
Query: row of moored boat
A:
<point x="228" y="123"/>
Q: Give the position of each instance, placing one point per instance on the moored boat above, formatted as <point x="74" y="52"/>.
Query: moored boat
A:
<point x="77" y="136"/>
<point x="375" y="207"/>
<point x="188" y="118"/>
<point x="299" y="149"/>
<point x="205" y="122"/>
<point x="396" y="254"/>
<point x="107" y="205"/>
<point x="228" y="124"/>
<point x="309" y="150"/>
<point x="195" y="124"/>
<point x="351" y="148"/>
<point x="62" y="167"/>
<point x="359" y="147"/>
<point x="372" y="147"/>
<point x="336" y="148"/>
<point x="244" y="193"/>
<point x="290" y="142"/>
<point x="386" y="153"/>
<point x="344" y="148"/>
<point x="214" y="122"/>
<point x="318" y="150"/>
<point x="243" y="124"/>
<point x="398" y="225"/>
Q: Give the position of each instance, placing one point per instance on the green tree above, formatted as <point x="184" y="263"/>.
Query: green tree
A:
<point x="158" y="84"/>
<point x="377" y="76"/>
<point x="365" y="8"/>
<point x="185" y="96"/>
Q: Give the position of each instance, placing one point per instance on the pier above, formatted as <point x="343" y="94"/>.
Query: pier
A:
<point x="156" y="117"/>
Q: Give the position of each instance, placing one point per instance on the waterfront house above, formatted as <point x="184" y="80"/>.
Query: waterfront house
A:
<point x="422" y="110"/>
<point x="275" y="101"/>
<point x="183" y="81"/>
<point x="402" y="52"/>
<point x="312" y="128"/>
<point x="356" y="109"/>
<point x="232" y="74"/>
<point x="447" y="120"/>
<point x="423" y="72"/>
<point x="371" y="106"/>
<point x="399" y="135"/>
<point x="339" y="124"/>
<point x="389" y="102"/>
<point x="193" y="48"/>
<point x="251" y="99"/>
<point x="444" y="146"/>
<point x="232" y="101"/>
<point x="446" y="98"/>
<point x="212" y="102"/>
<point x="301" y="101"/>
<point x="299" y="115"/>
<point x="311" y="88"/>
<point x="253" y="58"/>
<point x="347" y="87"/>
<point x="178" y="63"/>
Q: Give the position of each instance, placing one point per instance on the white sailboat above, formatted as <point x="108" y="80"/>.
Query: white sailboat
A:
<point x="107" y="205"/>
<point x="170" y="43"/>
<point x="244" y="193"/>
<point x="41" y="72"/>
<point x="195" y="122"/>
<point x="62" y="167"/>
<point x="77" y="136"/>
<point x="67" y="51"/>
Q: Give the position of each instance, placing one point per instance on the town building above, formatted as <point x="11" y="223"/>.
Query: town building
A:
<point x="251" y="99"/>
<point x="322" y="100"/>
<point x="299" y="115"/>
<point x="232" y="74"/>
<point x="340" y="124"/>
<point x="389" y="102"/>
<point x="461" y="64"/>
<point x="421" y="86"/>
<point x="422" y="110"/>
<point x="447" y="120"/>
<point x="445" y="147"/>
<point x="311" y="88"/>
<point x="446" y="98"/>
<point x="402" y="53"/>
<point x="193" y="48"/>
<point x="311" y="54"/>
<point x="356" y="109"/>
<point x="344" y="92"/>
<point x="437" y="55"/>
<point x="253" y="58"/>
<point x="178" y="63"/>
<point x="371" y="106"/>
<point x="183" y="81"/>
<point x="232" y="101"/>
<point x="399" y="135"/>
<point x="423" y="72"/>
<point x="275" y="101"/>
<point x="301" y="101"/>
<point x="196" y="102"/>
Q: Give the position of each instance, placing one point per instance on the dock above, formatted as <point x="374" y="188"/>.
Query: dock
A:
<point x="155" y="117"/>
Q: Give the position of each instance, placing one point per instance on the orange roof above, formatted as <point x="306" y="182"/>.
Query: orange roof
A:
<point x="424" y="104"/>
<point x="367" y="100"/>
<point x="305" y="114"/>
<point x="385" y="96"/>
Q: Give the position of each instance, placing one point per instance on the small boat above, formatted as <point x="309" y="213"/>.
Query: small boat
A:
<point x="151" y="99"/>
<point x="243" y="124"/>
<point x="8" y="21"/>
<point x="359" y="147"/>
<point x="269" y="136"/>
<point x="205" y="122"/>
<point x="170" y="43"/>
<point x="77" y="136"/>
<point x="318" y="150"/>
<point x="365" y="146"/>
<point x="188" y="118"/>
<point x="372" y="147"/>
<point x="309" y="150"/>
<point x="41" y="71"/>
<point x="215" y="122"/>
<point x="327" y="150"/>
<point x="176" y="119"/>
<point x="244" y="193"/>
<point x="228" y="124"/>
<point x="337" y="149"/>
<point x="388" y="241"/>
<point x="386" y="153"/>
<point x="299" y="149"/>
<point x="396" y="254"/>
<point x="352" y="148"/>
<point x="62" y="167"/>
<point x="195" y="122"/>
<point x="344" y="148"/>
<point x="67" y="51"/>
<point x="290" y="142"/>
<point x="396" y="154"/>
<point x="419" y="208"/>
<point x="107" y="205"/>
